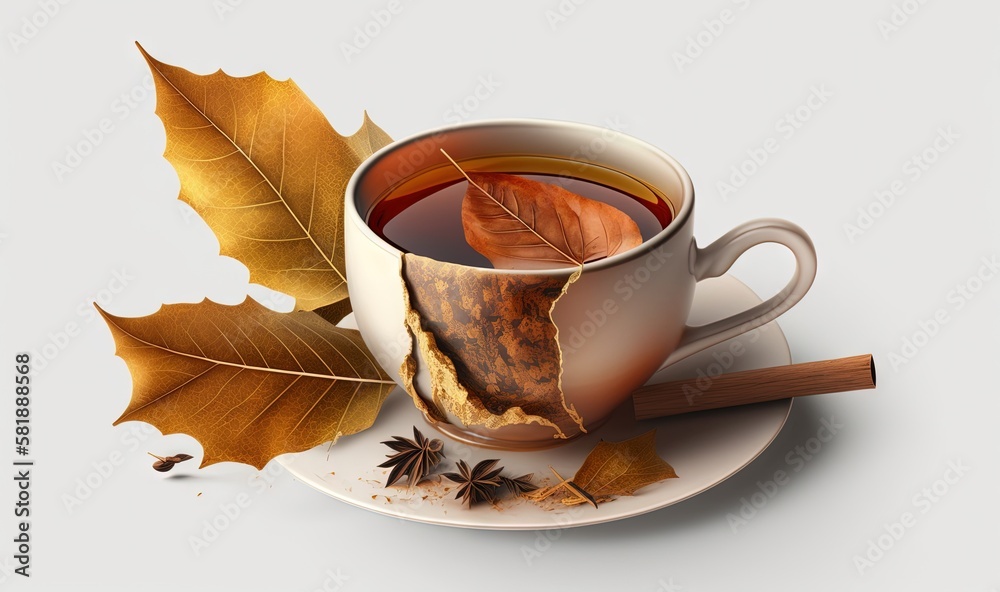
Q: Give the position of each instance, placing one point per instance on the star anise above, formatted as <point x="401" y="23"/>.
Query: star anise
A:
<point x="477" y="484"/>
<point x="519" y="486"/>
<point x="414" y="458"/>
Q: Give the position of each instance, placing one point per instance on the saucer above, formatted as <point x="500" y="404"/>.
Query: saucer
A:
<point x="704" y="448"/>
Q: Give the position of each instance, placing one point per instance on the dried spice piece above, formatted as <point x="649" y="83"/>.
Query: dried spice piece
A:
<point x="165" y="463"/>
<point x="518" y="486"/>
<point x="611" y="469"/>
<point x="414" y="458"/>
<point x="477" y="484"/>
<point x="578" y="494"/>
<point x="583" y="493"/>
<point x="162" y="466"/>
<point x="489" y="343"/>
<point x="620" y="468"/>
<point x="266" y="170"/>
<point x="247" y="382"/>
<point x="518" y="223"/>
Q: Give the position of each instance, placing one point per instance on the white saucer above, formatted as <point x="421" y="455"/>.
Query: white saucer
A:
<point x="704" y="448"/>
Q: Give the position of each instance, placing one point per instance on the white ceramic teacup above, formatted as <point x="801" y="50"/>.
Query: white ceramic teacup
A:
<point x="641" y="297"/>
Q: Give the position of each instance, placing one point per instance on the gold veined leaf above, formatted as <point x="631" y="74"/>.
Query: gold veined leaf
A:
<point x="620" y="468"/>
<point x="518" y="223"/>
<point x="489" y="344"/>
<point x="334" y="313"/>
<point x="266" y="170"/>
<point x="245" y="381"/>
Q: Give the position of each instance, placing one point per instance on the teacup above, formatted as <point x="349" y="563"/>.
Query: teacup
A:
<point x="642" y="327"/>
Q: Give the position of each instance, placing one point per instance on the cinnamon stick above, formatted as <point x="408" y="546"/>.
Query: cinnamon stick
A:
<point x="754" y="386"/>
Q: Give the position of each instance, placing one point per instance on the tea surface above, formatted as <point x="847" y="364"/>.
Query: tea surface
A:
<point x="428" y="221"/>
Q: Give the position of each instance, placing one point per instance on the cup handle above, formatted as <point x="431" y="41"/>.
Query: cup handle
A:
<point x="715" y="259"/>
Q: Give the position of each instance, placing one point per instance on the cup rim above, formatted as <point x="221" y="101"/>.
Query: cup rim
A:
<point x="679" y="220"/>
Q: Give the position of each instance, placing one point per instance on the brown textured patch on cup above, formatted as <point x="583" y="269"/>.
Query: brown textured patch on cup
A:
<point x="408" y="369"/>
<point x="490" y="345"/>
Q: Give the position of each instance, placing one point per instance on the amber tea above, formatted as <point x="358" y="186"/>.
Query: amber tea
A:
<point x="423" y="214"/>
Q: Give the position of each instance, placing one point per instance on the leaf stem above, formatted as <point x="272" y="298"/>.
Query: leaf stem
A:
<point x="573" y="488"/>
<point x="512" y="214"/>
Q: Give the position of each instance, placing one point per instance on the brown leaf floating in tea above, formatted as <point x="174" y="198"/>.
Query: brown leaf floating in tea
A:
<point x="489" y="344"/>
<point x="518" y="223"/>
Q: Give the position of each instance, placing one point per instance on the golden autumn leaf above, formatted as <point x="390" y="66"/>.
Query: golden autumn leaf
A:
<point x="266" y="170"/>
<point x="334" y="313"/>
<point x="519" y="223"/>
<point x="489" y="344"/>
<point x="245" y="381"/>
<point x="620" y="468"/>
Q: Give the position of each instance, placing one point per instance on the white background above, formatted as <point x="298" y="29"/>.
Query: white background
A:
<point x="64" y="239"/>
